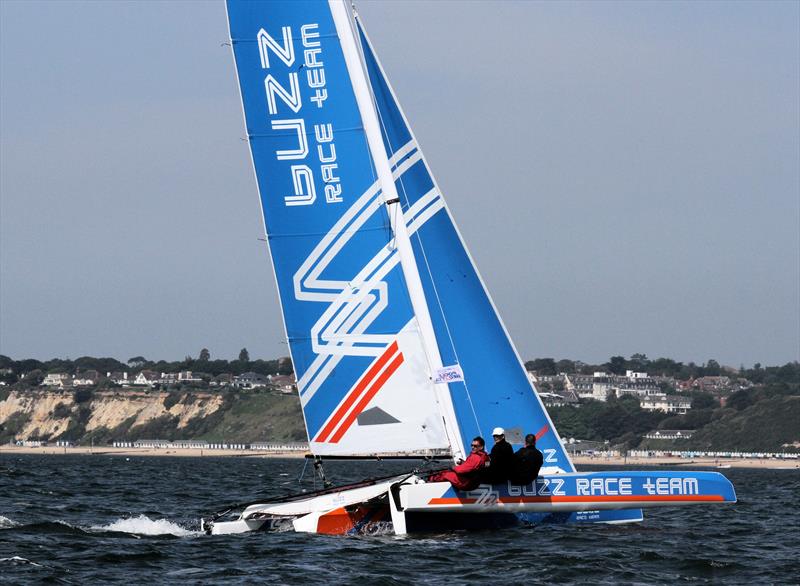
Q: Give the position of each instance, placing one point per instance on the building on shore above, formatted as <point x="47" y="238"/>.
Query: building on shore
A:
<point x="667" y="403"/>
<point x="670" y="434"/>
<point x="279" y="447"/>
<point x="152" y="443"/>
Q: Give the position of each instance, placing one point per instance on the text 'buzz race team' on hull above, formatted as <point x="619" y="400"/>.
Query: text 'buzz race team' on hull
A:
<point x="395" y="341"/>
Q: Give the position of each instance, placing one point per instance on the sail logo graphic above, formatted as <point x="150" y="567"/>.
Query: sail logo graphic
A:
<point x="355" y="301"/>
<point x="449" y="374"/>
<point x="484" y="495"/>
<point x="281" y="95"/>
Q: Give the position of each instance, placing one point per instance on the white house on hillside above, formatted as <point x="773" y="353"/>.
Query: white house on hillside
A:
<point x="250" y="380"/>
<point x="667" y="403"/>
<point x="58" y="379"/>
<point x="147" y="378"/>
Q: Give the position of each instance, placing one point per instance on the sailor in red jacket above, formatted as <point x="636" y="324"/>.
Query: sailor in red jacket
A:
<point x="466" y="476"/>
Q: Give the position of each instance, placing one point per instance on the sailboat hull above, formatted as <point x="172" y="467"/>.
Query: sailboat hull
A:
<point x="575" y="492"/>
<point x="408" y="504"/>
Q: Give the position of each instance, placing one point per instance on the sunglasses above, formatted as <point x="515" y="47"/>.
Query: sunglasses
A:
<point x="477" y="446"/>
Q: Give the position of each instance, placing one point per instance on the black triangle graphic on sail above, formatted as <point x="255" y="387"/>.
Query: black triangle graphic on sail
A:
<point x="376" y="416"/>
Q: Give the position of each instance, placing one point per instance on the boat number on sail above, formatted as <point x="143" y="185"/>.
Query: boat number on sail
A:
<point x="294" y="126"/>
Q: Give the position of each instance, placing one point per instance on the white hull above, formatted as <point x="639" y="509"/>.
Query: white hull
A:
<point x="407" y="503"/>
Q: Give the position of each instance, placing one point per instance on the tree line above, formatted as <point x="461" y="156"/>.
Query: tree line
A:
<point x="789" y="372"/>
<point x="787" y="377"/>
<point x="34" y="371"/>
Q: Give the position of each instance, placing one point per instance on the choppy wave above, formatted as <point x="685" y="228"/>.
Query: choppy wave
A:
<point x="46" y="527"/>
<point x="19" y="561"/>
<point x="6" y="523"/>
<point x="143" y="525"/>
<point x="139" y="524"/>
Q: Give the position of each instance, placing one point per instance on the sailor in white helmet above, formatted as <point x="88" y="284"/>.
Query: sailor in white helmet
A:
<point x="501" y="458"/>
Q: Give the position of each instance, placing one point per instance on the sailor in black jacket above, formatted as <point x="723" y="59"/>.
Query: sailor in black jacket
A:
<point x="527" y="462"/>
<point x="501" y="458"/>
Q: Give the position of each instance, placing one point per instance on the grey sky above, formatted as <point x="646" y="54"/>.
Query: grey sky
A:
<point x="626" y="175"/>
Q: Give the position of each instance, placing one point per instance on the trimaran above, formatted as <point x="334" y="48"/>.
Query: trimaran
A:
<point x="397" y="346"/>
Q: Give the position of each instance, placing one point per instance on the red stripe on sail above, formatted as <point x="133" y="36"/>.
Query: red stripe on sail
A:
<point x="376" y="386"/>
<point x="541" y="432"/>
<point x="365" y="381"/>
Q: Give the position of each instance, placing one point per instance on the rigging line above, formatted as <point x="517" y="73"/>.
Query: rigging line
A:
<point x="444" y="319"/>
<point x="385" y="136"/>
<point x="353" y="18"/>
<point x="430" y="273"/>
<point x="385" y="133"/>
<point x="303" y="472"/>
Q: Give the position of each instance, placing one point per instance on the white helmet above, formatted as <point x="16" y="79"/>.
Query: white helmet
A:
<point x="498" y="431"/>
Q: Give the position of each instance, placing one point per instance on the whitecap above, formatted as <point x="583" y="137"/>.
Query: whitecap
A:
<point x="16" y="560"/>
<point x="5" y="523"/>
<point x="186" y="572"/>
<point x="143" y="525"/>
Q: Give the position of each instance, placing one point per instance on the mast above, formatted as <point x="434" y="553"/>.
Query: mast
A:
<point x="369" y="117"/>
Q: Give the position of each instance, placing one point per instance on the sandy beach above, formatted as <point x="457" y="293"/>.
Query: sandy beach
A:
<point x="771" y="463"/>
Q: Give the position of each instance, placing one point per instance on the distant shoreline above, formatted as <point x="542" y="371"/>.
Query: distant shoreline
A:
<point x="147" y="452"/>
<point x="722" y="463"/>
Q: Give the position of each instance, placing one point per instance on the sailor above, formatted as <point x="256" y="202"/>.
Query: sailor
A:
<point x="527" y="462"/>
<point x="501" y="459"/>
<point x="466" y="475"/>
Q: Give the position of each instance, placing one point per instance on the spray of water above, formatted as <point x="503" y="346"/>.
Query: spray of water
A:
<point x="5" y="523"/>
<point x="143" y="525"/>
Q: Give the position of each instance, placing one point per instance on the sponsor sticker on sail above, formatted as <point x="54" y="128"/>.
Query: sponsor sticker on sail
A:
<point x="449" y="374"/>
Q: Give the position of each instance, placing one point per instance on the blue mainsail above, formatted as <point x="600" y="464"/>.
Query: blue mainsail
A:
<point x="365" y="375"/>
<point x="363" y="379"/>
<point x="495" y="390"/>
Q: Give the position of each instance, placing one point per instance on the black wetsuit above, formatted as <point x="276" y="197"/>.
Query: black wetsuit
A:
<point x="527" y="462"/>
<point x="501" y="463"/>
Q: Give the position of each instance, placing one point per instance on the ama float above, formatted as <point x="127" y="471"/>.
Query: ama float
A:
<point x="397" y="346"/>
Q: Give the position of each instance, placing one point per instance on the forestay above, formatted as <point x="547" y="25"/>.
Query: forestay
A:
<point x="364" y="380"/>
<point x="495" y="389"/>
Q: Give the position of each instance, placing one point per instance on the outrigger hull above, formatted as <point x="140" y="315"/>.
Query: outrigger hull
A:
<point x="408" y="504"/>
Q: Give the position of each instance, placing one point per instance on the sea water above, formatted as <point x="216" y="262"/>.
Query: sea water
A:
<point x="131" y="520"/>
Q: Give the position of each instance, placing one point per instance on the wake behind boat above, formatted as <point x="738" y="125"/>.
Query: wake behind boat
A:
<point x="396" y="343"/>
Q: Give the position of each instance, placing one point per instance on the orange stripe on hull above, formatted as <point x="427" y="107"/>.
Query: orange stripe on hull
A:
<point x="335" y="522"/>
<point x="582" y="499"/>
<point x="342" y="521"/>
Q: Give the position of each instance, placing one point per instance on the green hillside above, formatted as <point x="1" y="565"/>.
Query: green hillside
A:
<point x="258" y="417"/>
<point x="765" y="426"/>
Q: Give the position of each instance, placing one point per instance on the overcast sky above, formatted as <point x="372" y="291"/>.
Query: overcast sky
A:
<point x="626" y="175"/>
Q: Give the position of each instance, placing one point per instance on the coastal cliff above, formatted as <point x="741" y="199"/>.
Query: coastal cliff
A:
<point x="119" y="415"/>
